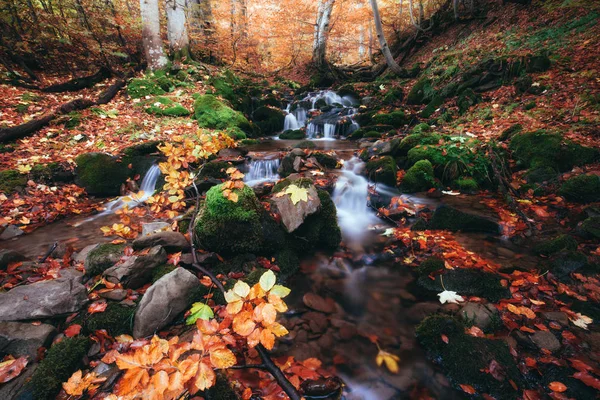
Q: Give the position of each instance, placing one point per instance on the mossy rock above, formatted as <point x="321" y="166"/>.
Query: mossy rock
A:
<point x="142" y="149"/>
<point x="288" y="262"/>
<point x="395" y="119"/>
<point x="466" y="185"/>
<point x="566" y="262"/>
<point x="382" y="169"/>
<point x="11" y="180"/>
<point x="305" y="144"/>
<point x="537" y="63"/>
<point x="166" y="107"/>
<point x="509" y="132"/>
<point x="60" y="362"/>
<point x="347" y="90"/>
<point x="357" y="134"/>
<point x="449" y="218"/>
<point x="101" y="174"/>
<point x="433" y="105"/>
<point x="212" y="113"/>
<point x="103" y="257"/>
<point x="581" y="188"/>
<point x="536" y="149"/>
<point x="554" y="245"/>
<point x="117" y="319"/>
<point x="319" y="230"/>
<point x="418" y="178"/>
<point x="269" y="120"/>
<point x="421" y="128"/>
<point x="591" y="227"/>
<point x="298" y="134"/>
<point x="421" y="93"/>
<point x="466" y="282"/>
<point x="364" y="118"/>
<point x="431" y="265"/>
<point x="466" y="99"/>
<point x="419" y="138"/>
<point x="141" y="87"/>
<point x="214" y="170"/>
<point x="325" y="160"/>
<point x="393" y="97"/>
<point x="540" y="175"/>
<point x="236" y="133"/>
<point x="249" y="142"/>
<point x="467" y="358"/>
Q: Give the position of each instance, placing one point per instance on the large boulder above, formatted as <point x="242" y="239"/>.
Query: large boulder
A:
<point x="101" y="174"/>
<point x="449" y="218"/>
<point x="212" y="113"/>
<point x="8" y="256"/>
<point x="383" y="170"/>
<point x="481" y="315"/>
<point x="24" y="339"/>
<point x="163" y="301"/>
<point x="293" y="215"/>
<point x="582" y="188"/>
<point x="269" y="120"/>
<point x="169" y="240"/>
<point x="43" y="299"/>
<point x="418" y="178"/>
<point x="136" y="271"/>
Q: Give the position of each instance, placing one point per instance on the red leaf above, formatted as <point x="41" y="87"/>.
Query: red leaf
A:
<point x="12" y="368"/>
<point x="557" y="386"/>
<point x="97" y="307"/>
<point x="73" y="330"/>
<point x="588" y="379"/>
<point x="468" y="389"/>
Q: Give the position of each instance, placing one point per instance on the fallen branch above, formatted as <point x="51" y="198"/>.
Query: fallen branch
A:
<point x="79" y="83"/>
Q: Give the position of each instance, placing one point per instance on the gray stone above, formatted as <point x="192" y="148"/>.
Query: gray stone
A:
<point x="297" y="153"/>
<point x="482" y="315"/>
<point x="292" y="216"/>
<point x="557" y="316"/>
<point x="11" y="390"/>
<point x="170" y="241"/>
<point x="42" y="300"/>
<point x="163" y="301"/>
<point x="136" y="270"/>
<point x="8" y="256"/>
<point x="24" y="339"/>
<point x="116" y="294"/>
<point x="545" y="340"/>
<point x="154" y="227"/>
<point x="298" y="163"/>
<point x="82" y="255"/>
<point x="103" y="256"/>
<point x="11" y="231"/>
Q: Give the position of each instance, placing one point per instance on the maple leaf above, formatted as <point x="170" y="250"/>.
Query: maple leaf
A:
<point x="581" y="321"/>
<point x="97" y="307"/>
<point x="77" y="384"/>
<point x="296" y="194"/>
<point x="448" y="296"/>
<point x="390" y="360"/>
<point x="199" y="311"/>
<point x="12" y="368"/>
<point x="24" y="169"/>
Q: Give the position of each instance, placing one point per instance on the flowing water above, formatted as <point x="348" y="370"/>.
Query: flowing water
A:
<point x="261" y="171"/>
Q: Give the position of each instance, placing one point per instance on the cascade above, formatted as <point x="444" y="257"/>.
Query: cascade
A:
<point x="290" y="123"/>
<point x="260" y="171"/>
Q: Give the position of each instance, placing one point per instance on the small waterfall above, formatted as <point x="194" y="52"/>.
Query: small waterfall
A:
<point x="312" y="130"/>
<point x="350" y="197"/>
<point x="329" y="131"/>
<point x="260" y="171"/>
<point x="147" y="188"/>
<point x="300" y="114"/>
<point x="290" y="123"/>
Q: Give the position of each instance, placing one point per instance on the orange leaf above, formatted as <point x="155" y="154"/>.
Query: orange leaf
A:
<point x="97" y="307"/>
<point x="205" y="378"/>
<point x="160" y="381"/>
<point x="557" y="387"/>
<point x="222" y="358"/>
<point x="468" y="389"/>
<point x="267" y="339"/>
<point x="73" y="330"/>
<point x="10" y="369"/>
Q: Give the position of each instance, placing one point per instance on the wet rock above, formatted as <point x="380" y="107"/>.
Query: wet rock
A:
<point x="450" y="218"/>
<point x="293" y="215"/>
<point x="316" y="302"/>
<point x="481" y="315"/>
<point x="116" y="294"/>
<point x="11" y="231"/>
<point x="10" y="390"/>
<point x="557" y="316"/>
<point x="137" y="270"/>
<point x="170" y="241"/>
<point x="163" y="301"/>
<point x="8" y="256"/>
<point x="545" y="340"/>
<point x="24" y="339"/>
<point x="384" y="148"/>
<point x="316" y="321"/>
<point x="155" y="227"/>
<point x="321" y="388"/>
<point x="419" y="311"/>
<point x="102" y="257"/>
<point x="42" y="300"/>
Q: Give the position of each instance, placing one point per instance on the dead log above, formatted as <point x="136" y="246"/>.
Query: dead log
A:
<point x="79" y="83"/>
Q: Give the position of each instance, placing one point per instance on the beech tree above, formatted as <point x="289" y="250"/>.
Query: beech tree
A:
<point x="177" y="29"/>
<point x="151" y="40"/>
<point x="321" y="32"/>
<point x="385" y="50"/>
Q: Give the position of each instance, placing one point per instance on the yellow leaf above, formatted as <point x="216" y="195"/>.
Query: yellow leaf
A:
<point x="296" y="194"/>
<point x="267" y="280"/>
<point x="24" y="169"/>
<point x="280" y="291"/>
<point x="267" y="339"/>
<point x="390" y="360"/>
<point x="205" y="378"/>
<point x="222" y="358"/>
<point x="241" y="289"/>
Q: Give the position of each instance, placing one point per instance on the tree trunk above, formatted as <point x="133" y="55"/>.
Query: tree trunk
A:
<point x="321" y="33"/>
<point x="179" y="42"/>
<point x="151" y="40"/>
<point x="389" y="58"/>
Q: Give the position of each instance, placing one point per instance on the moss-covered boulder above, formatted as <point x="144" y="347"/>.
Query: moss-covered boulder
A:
<point x="591" y="227"/>
<point x="393" y="97"/>
<point x="325" y="159"/>
<point x="421" y="93"/>
<point x="382" y="169"/>
<point x="432" y="106"/>
<point x="540" y="148"/>
<point x="298" y="134"/>
<point x="164" y="106"/>
<point x="467" y="282"/>
<point x="212" y="113"/>
<point x="269" y="120"/>
<point x="101" y="174"/>
<point x="117" y="319"/>
<point x="465" y="359"/>
<point x="60" y="362"/>
<point x="141" y="87"/>
<point x="229" y="227"/>
<point x="102" y="257"/>
<point x="556" y="244"/>
<point x="419" y="138"/>
<point x="11" y="180"/>
<point x="395" y="119"/>
<point x="449" y="218"/>
<point x="466" y="185"/>
<point x="418" y="178"/>
<point x="466" y="99"/>
<point x="581" y="188"/>
<point x="305" y="144"/>
<point x="540" y="174"/>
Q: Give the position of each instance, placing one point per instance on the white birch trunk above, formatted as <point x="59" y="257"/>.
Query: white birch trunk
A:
<point x="385" y="50"/>
<point x="321" y="32"/>
<point x="151" y="40"/>
<point x="177" y="28"/>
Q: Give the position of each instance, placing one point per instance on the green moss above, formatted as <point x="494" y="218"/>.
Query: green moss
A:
<point x="212" y="113"/>
<point x="269" y="120"/>
<point x="236" y="133"/>
<point x="305" y="144"/>
<point x="373" y="134"/>
<point x="215" y="170"/>
<point x="421" y="137"/>
<point x="591" y="227"/>
<point x="536" y="149"/>
<point x="395" y="119"/>
<point x="117" y="319"/>
<point x="451" y="219"/>
<point x="466" y="99"/>
<point x="139" y="88"/>
<point x="433" y="105"/>
<point x="466" y="282"/>
<point x="161" y="271"/>
<point x="249" y="142"/>
<point x="288" y="262"/>
<point x="581" y="188"/>
<point x="421" y="128"/>
<point x="293" y="135"/>
<point x="466" y="358"/>
<point x="382" y="169"/>
<point x="466" y="185"/>
<point x="166" y="107"/>
<point x="509" y="132"/>
<point x="430" y="265"/>
<point x="72" y="120"/>
<point x="421" y="93"/>
<point x="325" y="160"/>
<point x="103" y="257"/>
<point x="559" y="243"/>
<point x="357" y="134"/>
<point x="418" y="178"/>
<point x="540" y="175"/>
<point x="101" y="174"/>
<point x="61" y="361"/>
<point x="10" y="180"/>
<point x="393" y="97"/>
<point x="142" y="149"/>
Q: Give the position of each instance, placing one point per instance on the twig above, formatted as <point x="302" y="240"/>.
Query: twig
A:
<point x="49" y="252"/>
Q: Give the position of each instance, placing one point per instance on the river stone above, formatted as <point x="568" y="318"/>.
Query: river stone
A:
<point x="292" y="216"/>
<point x="137" y="270"/>
<point x="155" y="227"/>
<point x="170" y="241"/>
<point x="481" y="315"/>
<point x="42" y="300"/>
<point x="298" y="163"/>
<point x="11" y="231"/>
<point x="102" y="257"/>
<point x="164" y="301"/>
<point x="449" y="218"/>
<point x="83" y="253"/>
<point x="316" y="302"/>
<point x="383" y="147"/>
<point x="8" y="256"/>
<point x="12" y="389"/>
<point x="24" y="339"/>
<point x="545" y="340"/>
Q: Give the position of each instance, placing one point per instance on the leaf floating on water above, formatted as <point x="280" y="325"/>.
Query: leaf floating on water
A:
<point x="448" y="296"/>
<point x="390" y="360"/>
